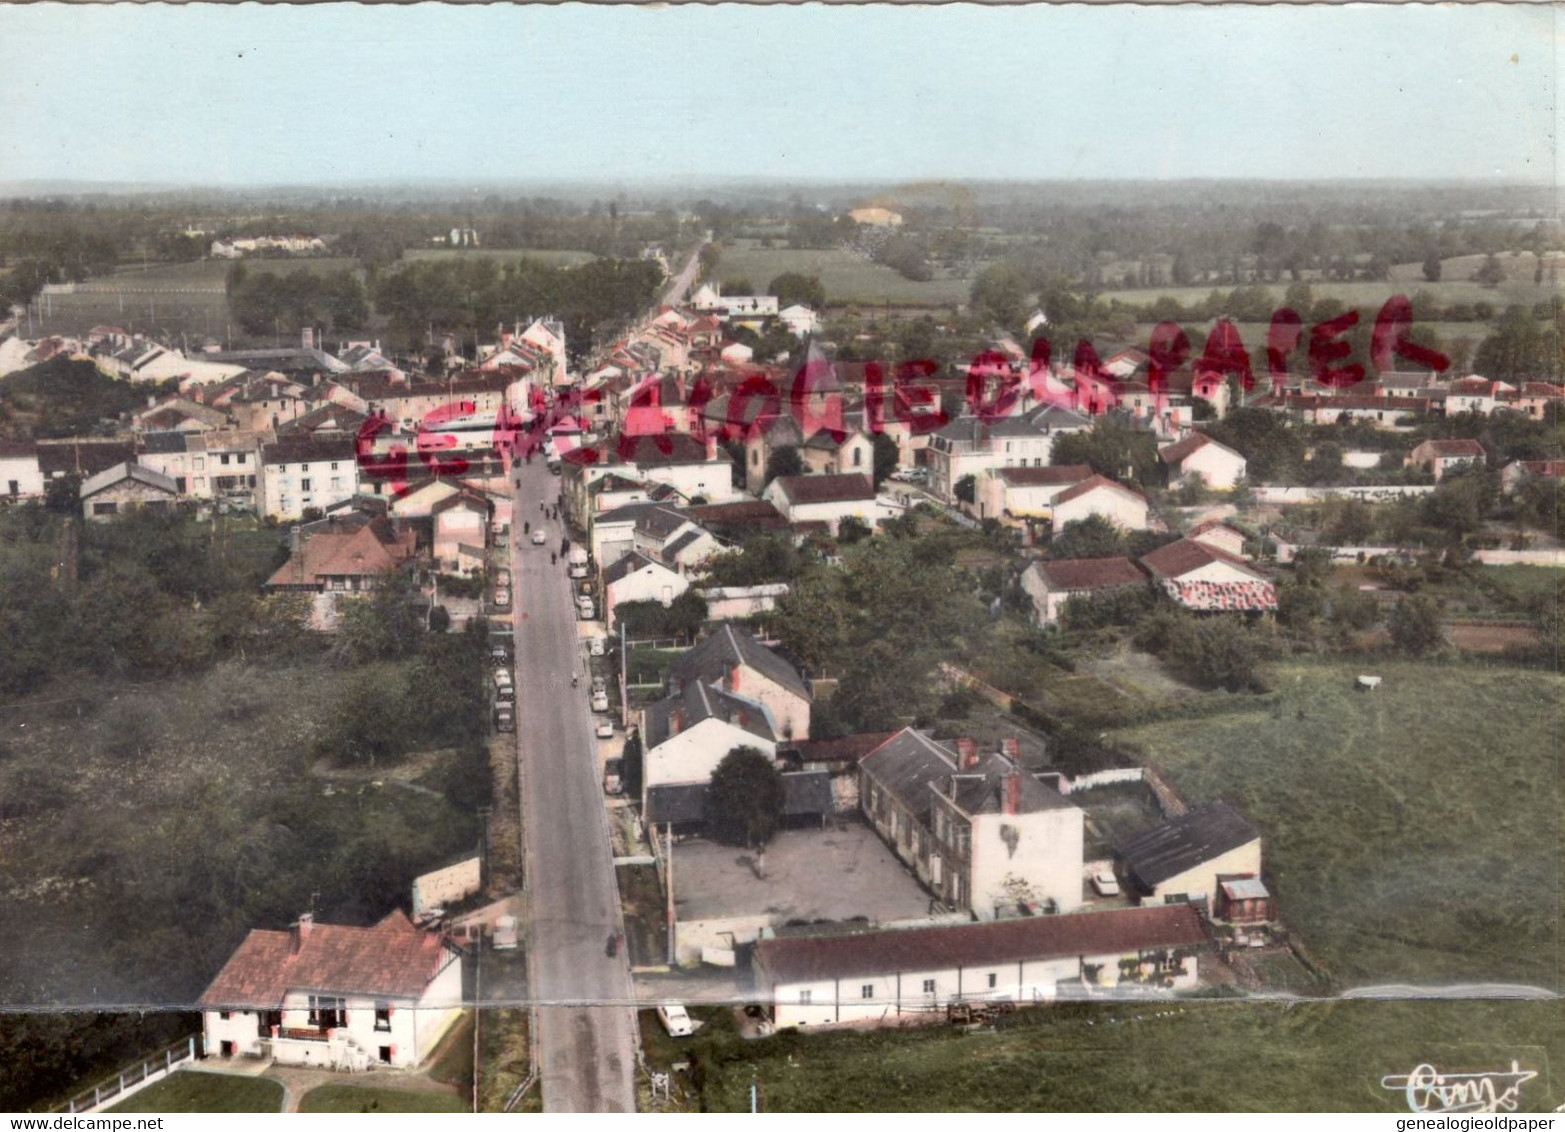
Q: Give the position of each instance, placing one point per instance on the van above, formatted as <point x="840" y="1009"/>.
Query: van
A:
<point x="505" y="934"/>
<point x="600" y="701"/>
<point x="595" y="646"/>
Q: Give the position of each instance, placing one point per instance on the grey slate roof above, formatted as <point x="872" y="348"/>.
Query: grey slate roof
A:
<point x="628" y="565"/>
<point x="111" y="476"/>
<point x="701" y="702"/>
<point x="630" y="513"/>
<point x="910" y="764"/>
<point x="680" y="543"/>
<point x="804" y="793"/>
<point x="717" y="653"/>
<point x="164" y="442"/>
<point x="1203" y="833"/>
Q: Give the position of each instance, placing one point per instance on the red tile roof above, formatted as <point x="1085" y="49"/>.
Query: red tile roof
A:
<point x="393" y="959"/>
<point x="1179" y="558"/>
<point x="1038" y="477"/>
<point x="826" y="489"/>
<point x="1449" y="448"/>
<point x="1119" y="932"/>
<point x="1091" y="573"/>
<point x="372" y="549"/>
<point x="1093" y="484"/>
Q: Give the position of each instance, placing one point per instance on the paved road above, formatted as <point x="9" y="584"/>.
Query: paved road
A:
<point x="587" y="1040"/>
<point x="681" y="284"/>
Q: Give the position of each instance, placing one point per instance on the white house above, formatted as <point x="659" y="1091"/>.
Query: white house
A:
<point x="301" y="472"/>
<point x="826" y="499"/>
<point x="635" y="577"/>
<point x="800" y="320"/>
<point x="1217" y="465"/>
<point x="332" y="996"/>
<point x="1052" y="584"/>
<point x="735" y="661"/>
<point x="1123" y="506"/>
<point x="1216" y="533"/>
<point x="686" y="734"/>
<point x="1026" y="493"/>
<point x="975" y="827"/>
<point x="880" y="975"/>
<point x="20" y="475"/>
<point x="1208" y="580"/>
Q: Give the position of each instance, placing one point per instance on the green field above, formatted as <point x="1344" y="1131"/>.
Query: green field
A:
<point x="359" y="1098"/>
<point x="1412" y="834"/>
<point x="846" y="276"/>
<point x="1186" y="1057"/>
<point x="214" y="272"/>
<point x="554" y="257"/>
<point x="191" y="1090"/>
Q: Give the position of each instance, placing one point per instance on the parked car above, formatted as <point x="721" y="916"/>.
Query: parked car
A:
<point x="675" y="1019"/>
<point x="539" y="538"/>
<point x="505" y="693"/>
<point x="502" y="577"/>
<point x="499" y="654"/>
<point x="595" y="646"/>
<point x="585" y="609"/>
<point x="505" y="934"/>
<point x="599" y="685"/>
<point x="613" y="783"/>
<point x="502" y="599"/>
<point x="600" y="701"/>
<point x="504" y="717"/>
<point x="502" y="676"/>
<point x="605" y="729"/>
<point x="1104" y="884"/>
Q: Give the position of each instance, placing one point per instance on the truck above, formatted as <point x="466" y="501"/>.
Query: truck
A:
<point x="578" y="562"/>
<point x="505" y="934"/>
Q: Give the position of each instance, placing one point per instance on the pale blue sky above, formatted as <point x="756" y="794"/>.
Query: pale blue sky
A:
<point x="232" y="95"/>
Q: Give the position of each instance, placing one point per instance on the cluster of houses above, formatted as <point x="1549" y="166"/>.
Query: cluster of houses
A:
<point x="236" y="247"/>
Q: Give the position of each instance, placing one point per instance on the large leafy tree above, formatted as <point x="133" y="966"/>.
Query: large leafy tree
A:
<point x="1415" y="625"/>
<point x="794" y="287"/>
<point x="744" y="803"/>
<point x="999" y="295"/>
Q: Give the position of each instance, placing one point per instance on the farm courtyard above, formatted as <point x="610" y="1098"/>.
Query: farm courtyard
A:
<point x="1412" y="834"/>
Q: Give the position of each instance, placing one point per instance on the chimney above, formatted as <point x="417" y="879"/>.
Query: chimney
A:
<point x="733" y="678"/>
<point x="1013" y="792"/>
<point x="676" y="722"/>
<point x="1011" y="748"/>
<point x="711" y="446"/>
<point x="294" y="540"/>
<point x="307" y="338"/>
<point x="967" y="752"/>
<point x="301" y="932"/>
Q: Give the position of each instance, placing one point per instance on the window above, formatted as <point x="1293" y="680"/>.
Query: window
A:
<point x="225" y="459"/>
<point x="334" y="465"/>
<point x="993" y="979"/>
<point x="805" y="996"/>
<point x="383" y="1018"/>
<point x="858" y="457"/>
<point x="304" y="467"/>
<point x="929" y="986"/>
<point x="867" y="990"/>
<point x="200" y="463"/>
<point x="328" y="1013"/>
<point x="305" y="484"/>
<point x="223" y="1015"/>
<point x="104" y="508"/>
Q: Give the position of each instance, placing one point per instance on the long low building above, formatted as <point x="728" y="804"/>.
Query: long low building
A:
<point x="877" y="975"/>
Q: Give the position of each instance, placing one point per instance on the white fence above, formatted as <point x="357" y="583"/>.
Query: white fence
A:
<point x="132" y="1080"/>
<point x="1113" y="777"/>
<point x="1369" y="493"/>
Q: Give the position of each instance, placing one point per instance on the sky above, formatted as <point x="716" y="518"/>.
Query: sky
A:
<point x="250" y="95"/>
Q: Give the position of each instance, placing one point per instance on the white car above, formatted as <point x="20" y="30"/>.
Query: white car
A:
<point x="539" y="538"/>
<point x="605" y="729"/>
<point x="600" y="701"/>
<point x="502" y="598"/>
<point x="595" y="646"/>
<point x="1104" y="884"/>
<point x="675" y="1019"/>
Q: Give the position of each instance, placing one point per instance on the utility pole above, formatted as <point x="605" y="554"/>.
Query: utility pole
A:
<point x="668" y="876"/>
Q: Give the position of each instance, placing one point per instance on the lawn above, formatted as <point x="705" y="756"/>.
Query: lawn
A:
<point x="846" y="276"/>
<point x="1412" y="834"/>
<point x="1193" y="1056"/>
<point x="1368" y="294"/>
<point x="190" y="1090"/>
<point x="362" y="1098"/>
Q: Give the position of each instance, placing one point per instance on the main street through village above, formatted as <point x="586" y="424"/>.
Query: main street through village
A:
<point x="586" y="1018"/>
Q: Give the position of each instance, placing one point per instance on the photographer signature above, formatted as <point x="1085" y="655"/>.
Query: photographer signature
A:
<point x="1429" y="1090"/>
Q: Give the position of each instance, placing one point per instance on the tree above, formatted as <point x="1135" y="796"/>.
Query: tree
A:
<point x="886" y="458"/>
<point x="783" y="462"/>
<point x="965" y="489"/>
<point x="744" y="803"/>
<point x="1092" y="537"/>
<point x="811" y="617"/>
<point x="793" y="287"/>
<point x="1432" y="267"/>
<point x="64" y="495"/>
<point x="1415" y="625"/>
<point x="1492" y="273"/>
<point x="630" y="765"/>
<point x="851" y="530"/>
<point x="999" y="296"/>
